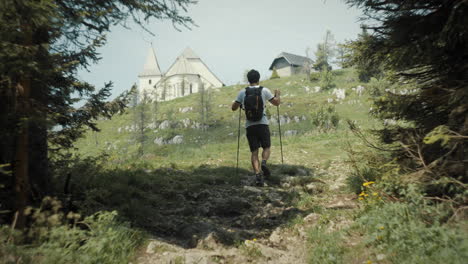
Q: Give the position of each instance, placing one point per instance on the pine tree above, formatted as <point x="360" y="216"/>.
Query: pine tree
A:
<point x="424" y="45"/>
<point x="42" y="46"/>
<point x="358" y="53"/>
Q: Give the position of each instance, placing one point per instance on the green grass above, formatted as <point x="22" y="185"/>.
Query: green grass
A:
<point x="218" y="145"/>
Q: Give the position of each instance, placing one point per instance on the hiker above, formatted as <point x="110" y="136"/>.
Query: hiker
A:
<point x="253" y="100"/>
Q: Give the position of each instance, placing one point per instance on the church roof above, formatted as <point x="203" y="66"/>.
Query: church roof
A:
<point x="189" y="54"/>
<point x="181" y="66"/>
<point x="151" y="67"/>
<point x="292" y="59"/>
<point x="190" y="63"/>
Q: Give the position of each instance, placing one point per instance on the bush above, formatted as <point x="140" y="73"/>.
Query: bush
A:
<point x="325" y="118"/>
<point x="274" y="75"/>
<point x="326" y="79"/>
<point x="358" y="177"/>
<point x="410" y="232"/>
<point x="314" y="76"/>
<point x="54" y="238"/>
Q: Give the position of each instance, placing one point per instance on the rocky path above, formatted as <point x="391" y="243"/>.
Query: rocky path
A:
<point x="246" y="224"/>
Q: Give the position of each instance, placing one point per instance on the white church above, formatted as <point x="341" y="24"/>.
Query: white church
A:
<point x="187" y="75"/>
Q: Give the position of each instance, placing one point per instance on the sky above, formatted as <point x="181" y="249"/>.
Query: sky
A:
<point x="230" y="36"/>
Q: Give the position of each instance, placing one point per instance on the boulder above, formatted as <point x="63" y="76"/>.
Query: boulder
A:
<point x="165" y="124"/>
<point x="289" y="133"/>
<point x="159" y="141"/>
<point x="179" y="139"/>
<point x="185" y="109"/>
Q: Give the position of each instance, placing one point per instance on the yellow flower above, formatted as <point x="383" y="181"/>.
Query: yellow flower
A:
<point x="360" y="198"/>
<point x="368" y="262"/>
<point x="368" y="183"/>
<point x="381" y="227"/>
<point x="375" y="194"/>
<point x="254" y="239"/>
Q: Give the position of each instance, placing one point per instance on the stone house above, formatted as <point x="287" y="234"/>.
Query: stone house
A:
<point x="287" y="64"/>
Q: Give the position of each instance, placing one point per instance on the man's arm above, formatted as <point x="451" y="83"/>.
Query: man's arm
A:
<point x="276" y="99"/>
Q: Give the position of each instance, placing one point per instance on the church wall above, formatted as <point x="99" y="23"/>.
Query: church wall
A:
<point x="146" y="84"/>
<point x="176" y="83"/>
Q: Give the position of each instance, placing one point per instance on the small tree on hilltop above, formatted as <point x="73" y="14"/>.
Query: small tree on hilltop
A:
<point x="325" y="52"/>
<point x="141" y="121"/>
<point x="326" y="79"/>
<point x="274" y="74"/>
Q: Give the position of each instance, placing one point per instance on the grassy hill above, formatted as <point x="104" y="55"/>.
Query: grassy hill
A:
<point x="217" y="144"/>
<point x="189" y="200"/>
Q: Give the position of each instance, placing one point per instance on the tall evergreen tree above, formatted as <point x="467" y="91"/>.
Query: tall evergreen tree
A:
<point x="425" y="45"/>
<point x="42" y="46"/>
<point x="358" y="53"/>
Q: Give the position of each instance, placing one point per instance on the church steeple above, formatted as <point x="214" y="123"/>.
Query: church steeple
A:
<point x="151" y="67"/>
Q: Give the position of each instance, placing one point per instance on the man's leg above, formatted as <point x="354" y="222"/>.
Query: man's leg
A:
<point x="266" y="143"/>
<point x="255" y="162"/>
<point x="266" y="154"/>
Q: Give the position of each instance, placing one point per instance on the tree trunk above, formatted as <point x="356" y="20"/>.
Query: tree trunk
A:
<point x="21" y="165"/>
<point x="22" y="186"/>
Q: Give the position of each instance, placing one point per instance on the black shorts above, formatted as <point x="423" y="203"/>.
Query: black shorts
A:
<point x="258" y="136"/>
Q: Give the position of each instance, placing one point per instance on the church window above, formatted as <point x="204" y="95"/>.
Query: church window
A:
<point x="190" y="88"/>
<point x="149" y="81"/>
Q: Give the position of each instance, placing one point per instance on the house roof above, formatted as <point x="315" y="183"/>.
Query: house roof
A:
<point x="151" y="67"/>
<point x="292" y="59"/>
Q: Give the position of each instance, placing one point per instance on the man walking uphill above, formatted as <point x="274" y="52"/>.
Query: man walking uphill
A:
<point x="253" y="100"/>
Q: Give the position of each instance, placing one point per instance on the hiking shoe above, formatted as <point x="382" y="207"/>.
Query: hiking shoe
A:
<point x="265" y="169"/>
<point x="259" y="180"/>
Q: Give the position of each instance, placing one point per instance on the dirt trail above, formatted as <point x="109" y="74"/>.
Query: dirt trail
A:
<point x="246" y="224"/>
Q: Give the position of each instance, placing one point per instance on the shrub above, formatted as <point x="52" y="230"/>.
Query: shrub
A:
<point x="274" y="75"/>
<point x="326" y="79"/>
<point x="411" y="233"/>
<point x="325" y="118"/>
<point x="54" y="238"/>
<point x="314" y="76"/>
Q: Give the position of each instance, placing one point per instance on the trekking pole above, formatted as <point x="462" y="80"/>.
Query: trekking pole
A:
<point x="279" y="126"/>
<point x="238" y="142"/>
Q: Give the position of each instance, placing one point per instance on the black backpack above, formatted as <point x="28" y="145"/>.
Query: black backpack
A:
<point x="253" y="103"/>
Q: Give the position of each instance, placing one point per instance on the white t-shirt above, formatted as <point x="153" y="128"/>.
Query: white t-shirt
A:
<point x="266" y="97"/>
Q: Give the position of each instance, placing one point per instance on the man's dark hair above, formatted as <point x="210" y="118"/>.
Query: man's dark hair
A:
<point x="253" y="76"/>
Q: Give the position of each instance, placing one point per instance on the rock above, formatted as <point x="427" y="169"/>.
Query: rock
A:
<point x="165" y="124"/>
<point x="275" y="237"/>
<point x="119" y="130"/>
<point x="252" y="189"/>
<point x="185" y="109"/>
<point x="288" y="133"/>
<point x="381" y="257"/>
<point x="159" y="141"/>
<point x="209" y="242"/>
<point x="311" y="218"/>
<point x="155" y="246"/>
<point x="317" y="89"/>
<point x="341" y="205"/>
<point x="297" y="119"/>
<point x="177" y="140"/>
<point x="312" y="188"/>
<point x="359" y="90"/>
